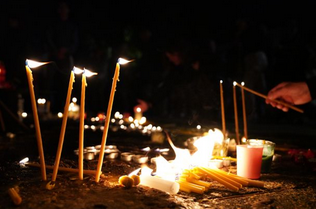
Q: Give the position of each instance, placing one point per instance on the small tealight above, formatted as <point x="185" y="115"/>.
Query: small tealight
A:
<point x="141" y="159"/>
<point x="112" y="155"/>
<point x="89" y="155"/>
<point x="127" y="156"/>
<point x="217" y="163"/>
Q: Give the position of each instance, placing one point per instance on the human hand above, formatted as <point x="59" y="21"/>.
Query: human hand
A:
<point x="294" y="93"/>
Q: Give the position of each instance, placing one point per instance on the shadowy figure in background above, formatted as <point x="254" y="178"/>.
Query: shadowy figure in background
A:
<point x="184" y="91"/>
<point x="62" y="39"/>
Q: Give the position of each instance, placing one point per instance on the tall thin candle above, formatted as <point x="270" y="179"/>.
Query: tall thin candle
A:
<point x="244" y="110"/>
<point x="86" y="73"/>
<point x="222" y="108"/>
<point x="108" y="115"/>
<point x="236" y="113"/>
<point x="28" y="65"/>
<point x="63" y="126"/>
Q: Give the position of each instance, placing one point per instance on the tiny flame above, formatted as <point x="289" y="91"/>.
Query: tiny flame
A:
<point x="77" y="70"/>
<point x="34" y="64"/>
<point x="138" y="109"/>
<point x="122" y="61"/>
<point x="242" y="83"/>
<point x="221" y="81"/>
<point x="89" y="73"/>
<point x="23" y="161"/>
<point x="234" y="83"/>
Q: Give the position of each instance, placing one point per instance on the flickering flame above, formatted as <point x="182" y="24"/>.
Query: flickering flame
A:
<point x="89" y="73"/>
<point x="122" y="61"/>
<point x="34" y="64"/>
<point x="242" y="83"/>
<point x="234" y="83"/>
<point x="138" y="109"/>
<point x="24" y="160"/>
<point x="77" y="70"/>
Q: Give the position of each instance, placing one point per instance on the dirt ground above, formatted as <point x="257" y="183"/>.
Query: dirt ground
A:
<point x="290" y="184"/>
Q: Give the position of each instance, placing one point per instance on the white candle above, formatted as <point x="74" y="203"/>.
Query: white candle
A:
<point x="160" y="184"/>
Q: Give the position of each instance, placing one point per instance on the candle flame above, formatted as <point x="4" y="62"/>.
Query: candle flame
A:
<point x="34" y="64"/>
<point x="242" y="83"/>
<point x="221" y="81"/>
<point x="89" y="73"/>
<point x="122" y="61"/>
<point x="77" y="70"/>
<point x="23" y="161"/>
<point x="234" y="83"/>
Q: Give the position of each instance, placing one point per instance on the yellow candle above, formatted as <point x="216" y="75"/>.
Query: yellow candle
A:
<point x="71" y="170"/>
<point x="187" y="186"/>
<point x="35" y="115"/>
<point x="236" y="113"/>
<point x="16" y="198"/>
<point x="108" y="115"/>
<point x="81" y="125"/>
<point x="224" y="177"/>
<point x="244" y="110"/>
<point x="218" y="179"/>
<point x="63" y="126"/>
<point x="222" y="108"/>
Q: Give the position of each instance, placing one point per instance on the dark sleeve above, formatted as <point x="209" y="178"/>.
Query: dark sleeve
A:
<point x="311" y="83"/>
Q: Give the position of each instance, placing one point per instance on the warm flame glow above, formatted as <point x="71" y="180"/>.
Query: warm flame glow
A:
<point x="221" y="81"/>
<point x="234" y="83"/>
<point x="89" y="73"/>
<point x="77" y="70"/>
<point x="122" y="61"/>
<point x="242" y="83"/>
<point x="34" y="64"/>
<point x="23" y="161"/>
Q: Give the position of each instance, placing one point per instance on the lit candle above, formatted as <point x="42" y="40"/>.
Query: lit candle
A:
<point x="64" y="123"/>
<point x="244" y="110"/>
<point x="108" y="115"/>
<point x="86" y="73"/>
<point x="138" y="114"/>
<point x="28" y="65"/>
<point x="222" y="108"/>
<point x="236" y="113"/>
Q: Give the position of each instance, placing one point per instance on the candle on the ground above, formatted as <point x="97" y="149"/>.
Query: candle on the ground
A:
<point x="108" y="115"/>
<point x="28" y="65"/>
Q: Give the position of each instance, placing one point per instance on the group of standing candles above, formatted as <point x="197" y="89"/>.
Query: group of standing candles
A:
<point x="243" y="88"/>
<point x="85" y="73"/>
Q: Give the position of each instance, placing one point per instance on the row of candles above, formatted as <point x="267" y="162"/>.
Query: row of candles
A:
<point x="84" y="73"/>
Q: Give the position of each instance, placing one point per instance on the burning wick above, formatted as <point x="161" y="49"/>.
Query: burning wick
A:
<point x="24" y="160"/>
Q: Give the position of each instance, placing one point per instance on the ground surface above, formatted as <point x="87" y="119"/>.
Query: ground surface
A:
<point x="290" y="184"/>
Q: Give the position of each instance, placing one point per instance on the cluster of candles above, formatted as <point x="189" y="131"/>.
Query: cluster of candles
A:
<point x="198" y="180"/>
<point x="84" y="74"/>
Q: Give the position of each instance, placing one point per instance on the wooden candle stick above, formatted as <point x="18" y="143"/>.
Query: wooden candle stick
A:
<point x="28" y="65"/>
<point x="108" y="115"/>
